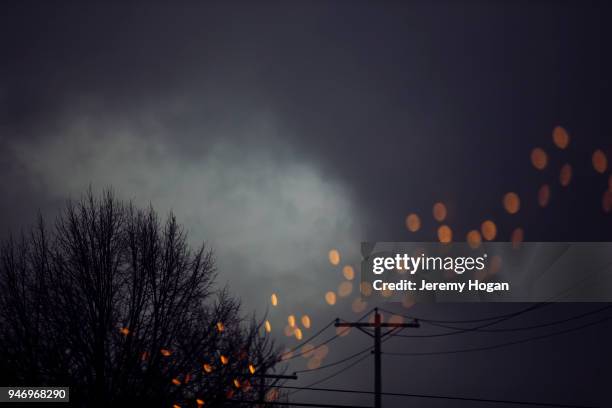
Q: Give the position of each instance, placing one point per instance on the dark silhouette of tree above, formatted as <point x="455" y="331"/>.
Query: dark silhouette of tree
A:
<point x="112" y="302"/>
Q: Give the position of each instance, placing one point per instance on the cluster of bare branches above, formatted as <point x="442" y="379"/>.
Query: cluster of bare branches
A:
<point x="112" y="302"/>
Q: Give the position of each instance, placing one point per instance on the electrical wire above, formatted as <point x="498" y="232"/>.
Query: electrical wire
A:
<point x="495" y="346"/>
<point x="430" y="396"/>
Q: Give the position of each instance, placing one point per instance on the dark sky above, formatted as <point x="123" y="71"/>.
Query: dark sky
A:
<point x="279" y="130"/>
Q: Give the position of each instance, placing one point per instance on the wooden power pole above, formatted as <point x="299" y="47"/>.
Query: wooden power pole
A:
<point x="378" y="335"/>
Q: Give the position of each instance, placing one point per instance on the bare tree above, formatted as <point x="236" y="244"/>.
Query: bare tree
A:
<point x="112" y="302"/>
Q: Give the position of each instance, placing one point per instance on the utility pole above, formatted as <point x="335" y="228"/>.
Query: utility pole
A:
<point x="378" y="335"/>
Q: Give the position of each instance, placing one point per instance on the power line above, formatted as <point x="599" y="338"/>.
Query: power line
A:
<point x="329" y="377"/>
<point x="522" y="328"/>
<point x="335" y="363"/>
<point x="495" y="346"/>
<point x="329" y="340"/>
<point x="314" y="336"/>
<point x="295" y="404"/>
<point x="504" y="316"/>
<point x="446" y="397"/>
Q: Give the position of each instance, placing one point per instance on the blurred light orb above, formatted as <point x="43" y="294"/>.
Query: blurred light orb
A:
<point x="518" y="235"/>
<point x="439" y="212"/>
<point x="321" y="352"/>
<point x="474" y="239"/>
<point x="408" y="302"/>
<point x="334" y="257"/>
<point x="565" y="175"/>
<point x="345" y="288"/>
<point x="560" y="137"/>
<point x="396" y="319"/>
<point x="358" y="305"/>
<point x="291" y="320"/>
<point x="268" y="326"/>
<point x="307" y="350"/>
<point x="413" y="223"/>
<point x="489" y="230"/>
<point x="445" y="234"/>
<point x="365" y="288"/>
<point x="348" y="272"/>
<point x="539" y="158"/>
<point x="306" y="321"/>
<point x="298" y="333"/>
<point x="313" y="363"/>
<point x="330" y="298"/>
<point x="274" y="299"/>
<point x="512" y="203"/>
<point x="600" y="161"/>
<point x="543" y="195"/>
<point x="342" y="331"/>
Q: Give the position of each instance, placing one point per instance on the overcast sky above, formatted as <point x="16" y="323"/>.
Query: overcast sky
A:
<point x="279" y="130"/>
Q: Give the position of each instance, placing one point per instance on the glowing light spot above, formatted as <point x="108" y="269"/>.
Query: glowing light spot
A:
<point x="544" y="195"/>
<point x="600" y="161"/>
<point x="489" y="230"/>
<point x="274" y="299"/>
<point x="313" y="363"/>
<point x="495" y="264"/>
<point x="252" y="369"/>
<point x="176" y="406"/>
<point x="165" y="352"/>
<point x="236" y="383"/>
<point x="268" y="326"/>
<point x="298" y="333"/>
<point x="348" y="272"/>
<point x="334" y="257"/>
<point x="407" y="302"/>
<point x="345" y="288"/>
<point x="539" y="158"/>
<point x="474" y="239"/>
<point x="176" y="381"/>
<point x="517" y="237"/>
<point x="200" y="402"/>
<point x="307" y="351"/>
<point x="565" y="175"/>
<point x="306" y="321"/>
<point x="321" y="352"/>
<point x="207" y="368"/>
<point x="220" y="326"/>
<point x="396" y="319"/>
<point x="358" y="305"/>
<point x="560" y="137"/>
<point x="125" y="331"/>
<point x="330" y="298"/>
<point x="512" y="203"/>
<point x="365" y="288"/>
<point x="439" y="212"/>
<point x="342" y="331"/>
<point x="291" y="320"/>
<point x="413" y="222"/>
<point x="224" y="359"/>
<point x="445" y="234"/>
